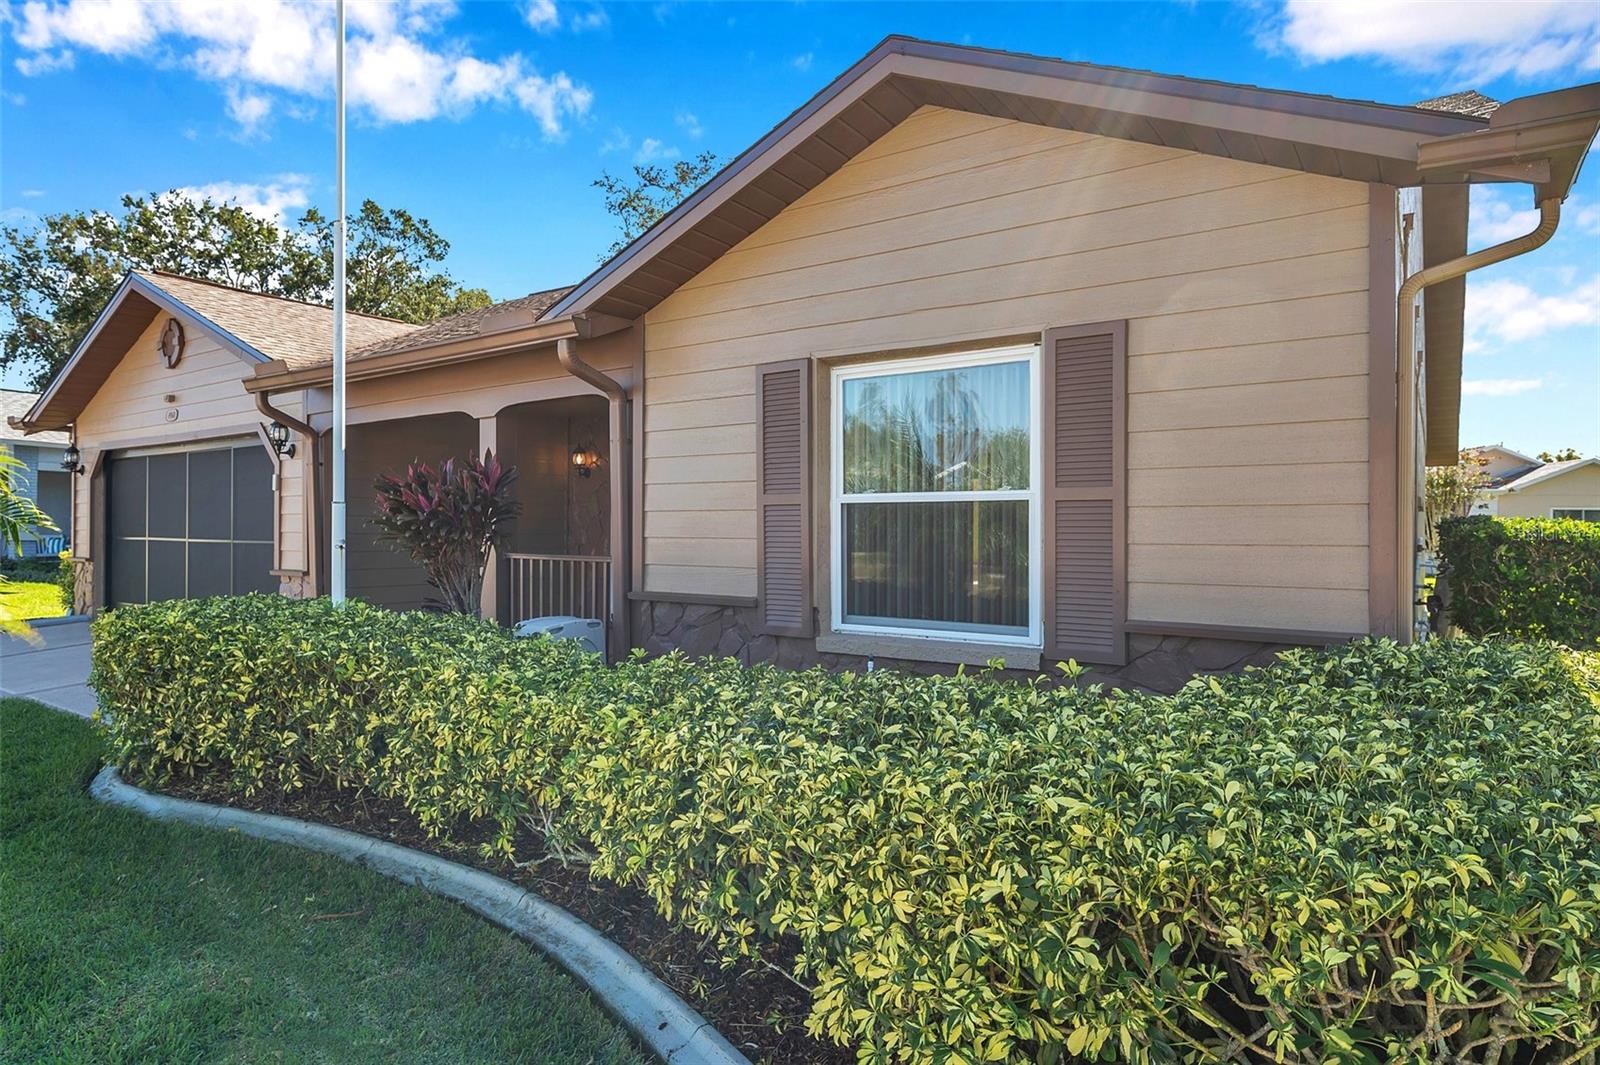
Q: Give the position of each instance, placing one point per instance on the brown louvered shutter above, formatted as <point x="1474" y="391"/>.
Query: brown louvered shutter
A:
<point x="1084" y="380"/>
<point x="783" y="518"/>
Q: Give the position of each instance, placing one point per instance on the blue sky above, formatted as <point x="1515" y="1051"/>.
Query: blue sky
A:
<point x="493" y="119"/>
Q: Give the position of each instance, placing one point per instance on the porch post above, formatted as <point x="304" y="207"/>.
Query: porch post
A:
<point x="489" y="605"/>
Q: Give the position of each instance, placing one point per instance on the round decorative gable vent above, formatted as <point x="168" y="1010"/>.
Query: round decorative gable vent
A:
<point x="172" y="342"/>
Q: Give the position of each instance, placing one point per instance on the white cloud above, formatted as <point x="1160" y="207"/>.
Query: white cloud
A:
<point x="1478" y="39"/>
<point x="1501" y="386"/>
<point x="271" y="201"/>
<point x="652" y="150"/>
<point x="31" y="194"/>
<point x="249" y="109"/>
<point x="690" y="124"/>
<point x="404" y="65"/>
<point x="1493" y="216"/>
<point x="1509" y="312"/>
<point x="542" y="15"/>
<point x="617" y="140"/>
<point x="30" y="66"/>
<point x="596" y="18"/>
<point x="802" y="61"/>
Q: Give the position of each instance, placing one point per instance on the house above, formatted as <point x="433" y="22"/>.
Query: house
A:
<point x="1523" y="487"/>
<point x="975" y="355"/>
<point x="41" y="478"/>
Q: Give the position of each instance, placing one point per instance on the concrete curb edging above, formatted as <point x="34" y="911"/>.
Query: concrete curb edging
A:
<point x="662" y="1021"/>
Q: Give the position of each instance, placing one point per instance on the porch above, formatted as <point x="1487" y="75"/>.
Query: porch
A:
<point x="556" y="558"/>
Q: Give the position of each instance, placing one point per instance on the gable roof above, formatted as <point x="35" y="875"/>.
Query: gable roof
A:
<point x="1359" y="140"/>
<point x="14" y="404"/>
<point x="256" y="327"/>
<point x="1546" y="472"/>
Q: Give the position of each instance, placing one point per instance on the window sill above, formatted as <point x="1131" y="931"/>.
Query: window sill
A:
<point x="911" y="649"/>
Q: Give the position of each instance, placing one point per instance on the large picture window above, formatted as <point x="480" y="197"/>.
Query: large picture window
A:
<point x="934" y="502"/>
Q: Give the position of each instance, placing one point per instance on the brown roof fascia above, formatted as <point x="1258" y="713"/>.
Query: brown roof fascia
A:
<point x="1385" y="131"/>
<point x="1538" y="139"/>
<point x="277" y="377"/>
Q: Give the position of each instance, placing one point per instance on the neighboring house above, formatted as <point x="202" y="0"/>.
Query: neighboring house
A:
<point x="1523" y="487"/>
<point x="41" y="478"/>
<point x="975" y="355"/>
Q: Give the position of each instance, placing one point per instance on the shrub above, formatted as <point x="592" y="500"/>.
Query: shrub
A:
<point x="66" y="578"/>
<point x="1373" y="853"/>
<point x="1531" y="577"/>
<point x="447" y="521"/>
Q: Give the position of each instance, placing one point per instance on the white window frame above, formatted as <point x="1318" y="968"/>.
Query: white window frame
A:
<point x="838" y="499"/>
<point x="1580" y="509"/>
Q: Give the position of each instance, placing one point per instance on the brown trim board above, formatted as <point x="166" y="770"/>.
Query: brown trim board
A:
<point x="1304" y="637"/>
<point x="1383" y="571"/>
<point x="693" y="598"/>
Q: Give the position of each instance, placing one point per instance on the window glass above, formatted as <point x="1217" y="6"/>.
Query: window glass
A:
<point x="936" y="505"/>
<point x="946" y="430"/>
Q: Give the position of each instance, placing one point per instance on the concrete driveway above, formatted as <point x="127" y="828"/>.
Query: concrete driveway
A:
<point x="54" y="670"/>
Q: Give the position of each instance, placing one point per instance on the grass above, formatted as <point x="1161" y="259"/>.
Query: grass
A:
<point x="31" y="599"/>
<point x="132" y="940"/>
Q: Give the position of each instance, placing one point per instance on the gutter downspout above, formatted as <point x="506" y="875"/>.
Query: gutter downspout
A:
<point x="312" y="442"/>
<point x="1406" y="368"/>
<point x="618" y="454"/>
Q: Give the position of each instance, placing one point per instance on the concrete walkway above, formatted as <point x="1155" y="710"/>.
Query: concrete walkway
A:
<point x="54" y="670"/>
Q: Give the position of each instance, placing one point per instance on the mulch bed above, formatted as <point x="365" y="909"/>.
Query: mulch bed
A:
<point x="759" y="1010"/>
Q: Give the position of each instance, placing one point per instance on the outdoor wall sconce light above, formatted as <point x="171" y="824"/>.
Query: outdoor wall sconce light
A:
<point x="584" y="461"/>
<point x="278" y="434"/>
<point x="72" y="459"/>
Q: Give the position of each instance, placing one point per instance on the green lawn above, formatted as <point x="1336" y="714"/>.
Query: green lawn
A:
<point x="130" y="940"/>
<point x="31" y="599"/>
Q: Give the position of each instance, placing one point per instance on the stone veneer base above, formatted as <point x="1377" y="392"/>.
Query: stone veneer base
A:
<point x="1156" y="663"/>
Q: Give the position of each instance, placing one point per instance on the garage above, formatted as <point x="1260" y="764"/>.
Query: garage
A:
<point x="182" y="524"/>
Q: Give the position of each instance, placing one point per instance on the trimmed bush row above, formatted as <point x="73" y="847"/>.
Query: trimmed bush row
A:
<point x="1369" y="854"/>
<point x="1529" y="577"/>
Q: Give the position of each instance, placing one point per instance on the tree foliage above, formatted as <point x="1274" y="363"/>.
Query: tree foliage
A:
<point x="1566" y="454"/>
<point x="640" y="202"/>
<point x="1451" y="491"/>
<point x="56" y="277"/>
<point x="447" y="520"/>
<point x="18" y="513"/>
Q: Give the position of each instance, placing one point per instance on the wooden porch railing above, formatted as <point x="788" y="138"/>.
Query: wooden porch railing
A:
<point x="545" y="585"/>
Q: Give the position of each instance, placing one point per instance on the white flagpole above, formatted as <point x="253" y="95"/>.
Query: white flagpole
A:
<point x="337" y="584"/>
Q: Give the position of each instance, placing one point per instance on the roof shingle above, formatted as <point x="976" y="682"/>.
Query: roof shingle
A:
<point x="1467" y="102"/>
<point x="299" y="334"/>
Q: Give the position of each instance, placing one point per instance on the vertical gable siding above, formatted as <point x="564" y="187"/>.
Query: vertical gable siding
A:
<point x="1244" y="287"/>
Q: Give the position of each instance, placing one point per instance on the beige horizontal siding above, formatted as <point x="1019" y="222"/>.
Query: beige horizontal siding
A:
<point x="1334" y="610"/>
<point x="1245" y="291"/>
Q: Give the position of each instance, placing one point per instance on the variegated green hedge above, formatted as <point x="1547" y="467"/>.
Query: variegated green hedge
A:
<point x="1372" y="854"/>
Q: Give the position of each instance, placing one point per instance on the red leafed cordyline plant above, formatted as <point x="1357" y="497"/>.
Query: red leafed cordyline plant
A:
<point x="447" y="520"/>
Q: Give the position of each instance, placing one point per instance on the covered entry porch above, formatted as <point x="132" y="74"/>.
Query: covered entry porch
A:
<point x="556" y="558"/>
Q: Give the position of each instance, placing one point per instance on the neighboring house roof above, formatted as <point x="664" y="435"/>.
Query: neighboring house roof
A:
<point x="14" y="404"/>
<point x="1468" y="102"/>
<point x="1353" y="139"/>
<point x="1541" y="474"/>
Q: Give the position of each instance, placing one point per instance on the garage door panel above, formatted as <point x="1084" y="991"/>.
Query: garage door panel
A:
<point x="210" y="569"/>
<point x="127" y="571"/>
<point x="190" y="524"/>
<point x="210" y="481"/>
<point x="169" y="476"/>
<point x="252" y="494"/>
<point x="252" y="569"/>
<point x="165" y="572"/>
<point x="126" y="502"/>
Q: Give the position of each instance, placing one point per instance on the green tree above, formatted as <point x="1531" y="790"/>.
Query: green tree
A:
<point x="1450" y="492"/>
<point x="1566" y="454"/>
<point x="639" y="202"/>
<point x="18" y="514"/>
<point x="55" y="277"/>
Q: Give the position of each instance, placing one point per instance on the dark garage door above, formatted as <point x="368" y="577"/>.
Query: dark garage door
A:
<point x="187" y="524"/>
